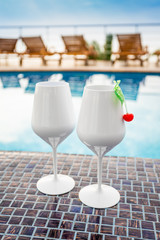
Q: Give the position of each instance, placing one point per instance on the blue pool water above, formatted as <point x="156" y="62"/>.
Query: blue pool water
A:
<point x="141" y="90"/>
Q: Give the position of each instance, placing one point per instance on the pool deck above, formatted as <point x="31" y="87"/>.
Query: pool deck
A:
<point x="26" y="214"/>
<point x="71" y="65"/>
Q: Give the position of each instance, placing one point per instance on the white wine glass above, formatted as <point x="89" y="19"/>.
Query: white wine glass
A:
<point x="100" y="127"/>
<point x="53" y="120"/>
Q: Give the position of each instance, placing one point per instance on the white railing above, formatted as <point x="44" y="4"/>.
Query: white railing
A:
<point x="51" y="34"/>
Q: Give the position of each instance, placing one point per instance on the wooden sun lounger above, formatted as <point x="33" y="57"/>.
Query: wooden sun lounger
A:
<point x="35" y="48"/>
<point x="130" y="47"/>
<point x="76" y="46"/>
<point x="7" y="45"/>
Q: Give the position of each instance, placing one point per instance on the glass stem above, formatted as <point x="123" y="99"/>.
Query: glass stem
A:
<point x="99" y="169"/>
<point x="55" y="162"/>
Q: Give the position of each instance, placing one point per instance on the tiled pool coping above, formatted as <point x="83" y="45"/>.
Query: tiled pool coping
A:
<point x="83" y="69"/>
<point x="69" y="65"/>
<point x="26" y="214"/>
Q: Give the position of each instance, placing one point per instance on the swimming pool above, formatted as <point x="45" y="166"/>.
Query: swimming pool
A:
<point x="141" y="90"/>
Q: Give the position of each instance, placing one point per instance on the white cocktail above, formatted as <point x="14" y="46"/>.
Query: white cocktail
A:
<point x="101" y="127"/>
<point x="53" y="121"/>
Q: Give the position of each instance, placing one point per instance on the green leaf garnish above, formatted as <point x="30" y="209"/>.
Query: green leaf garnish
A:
<point x="119" y="92"/>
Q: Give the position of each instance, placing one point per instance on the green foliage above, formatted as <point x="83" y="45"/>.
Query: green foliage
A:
<point x="96" y="47"/>
<point x="105" y="53"/>
<point x="108" y="47"/>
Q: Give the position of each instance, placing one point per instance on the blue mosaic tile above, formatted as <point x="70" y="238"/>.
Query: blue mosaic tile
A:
<point x="26" y="214"/>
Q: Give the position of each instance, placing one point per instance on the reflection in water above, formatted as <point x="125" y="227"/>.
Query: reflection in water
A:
<point x="15" y="115"/>
<point x="24" y="82"/>
<point x="141" y="90"/>
<point x="150" y="85"/>
<point x="33" y="79"/>
<point x="130" y="84"/>
<point x="55" y="77"/>
<point x="10" y="81"/>
<point x="99" y="79"/>
<point x="77" y="80"/>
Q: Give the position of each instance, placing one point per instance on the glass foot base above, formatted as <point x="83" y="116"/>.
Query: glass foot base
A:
<point x="49" y="185"/>
<point x="104" y="198"/>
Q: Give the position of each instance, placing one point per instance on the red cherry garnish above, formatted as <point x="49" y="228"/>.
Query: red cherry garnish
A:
<point x="128" y="117"/>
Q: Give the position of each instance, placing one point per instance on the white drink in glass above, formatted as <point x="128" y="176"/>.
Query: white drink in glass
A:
<point x="53" y="120"/>
<point x="100" y="127"/>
